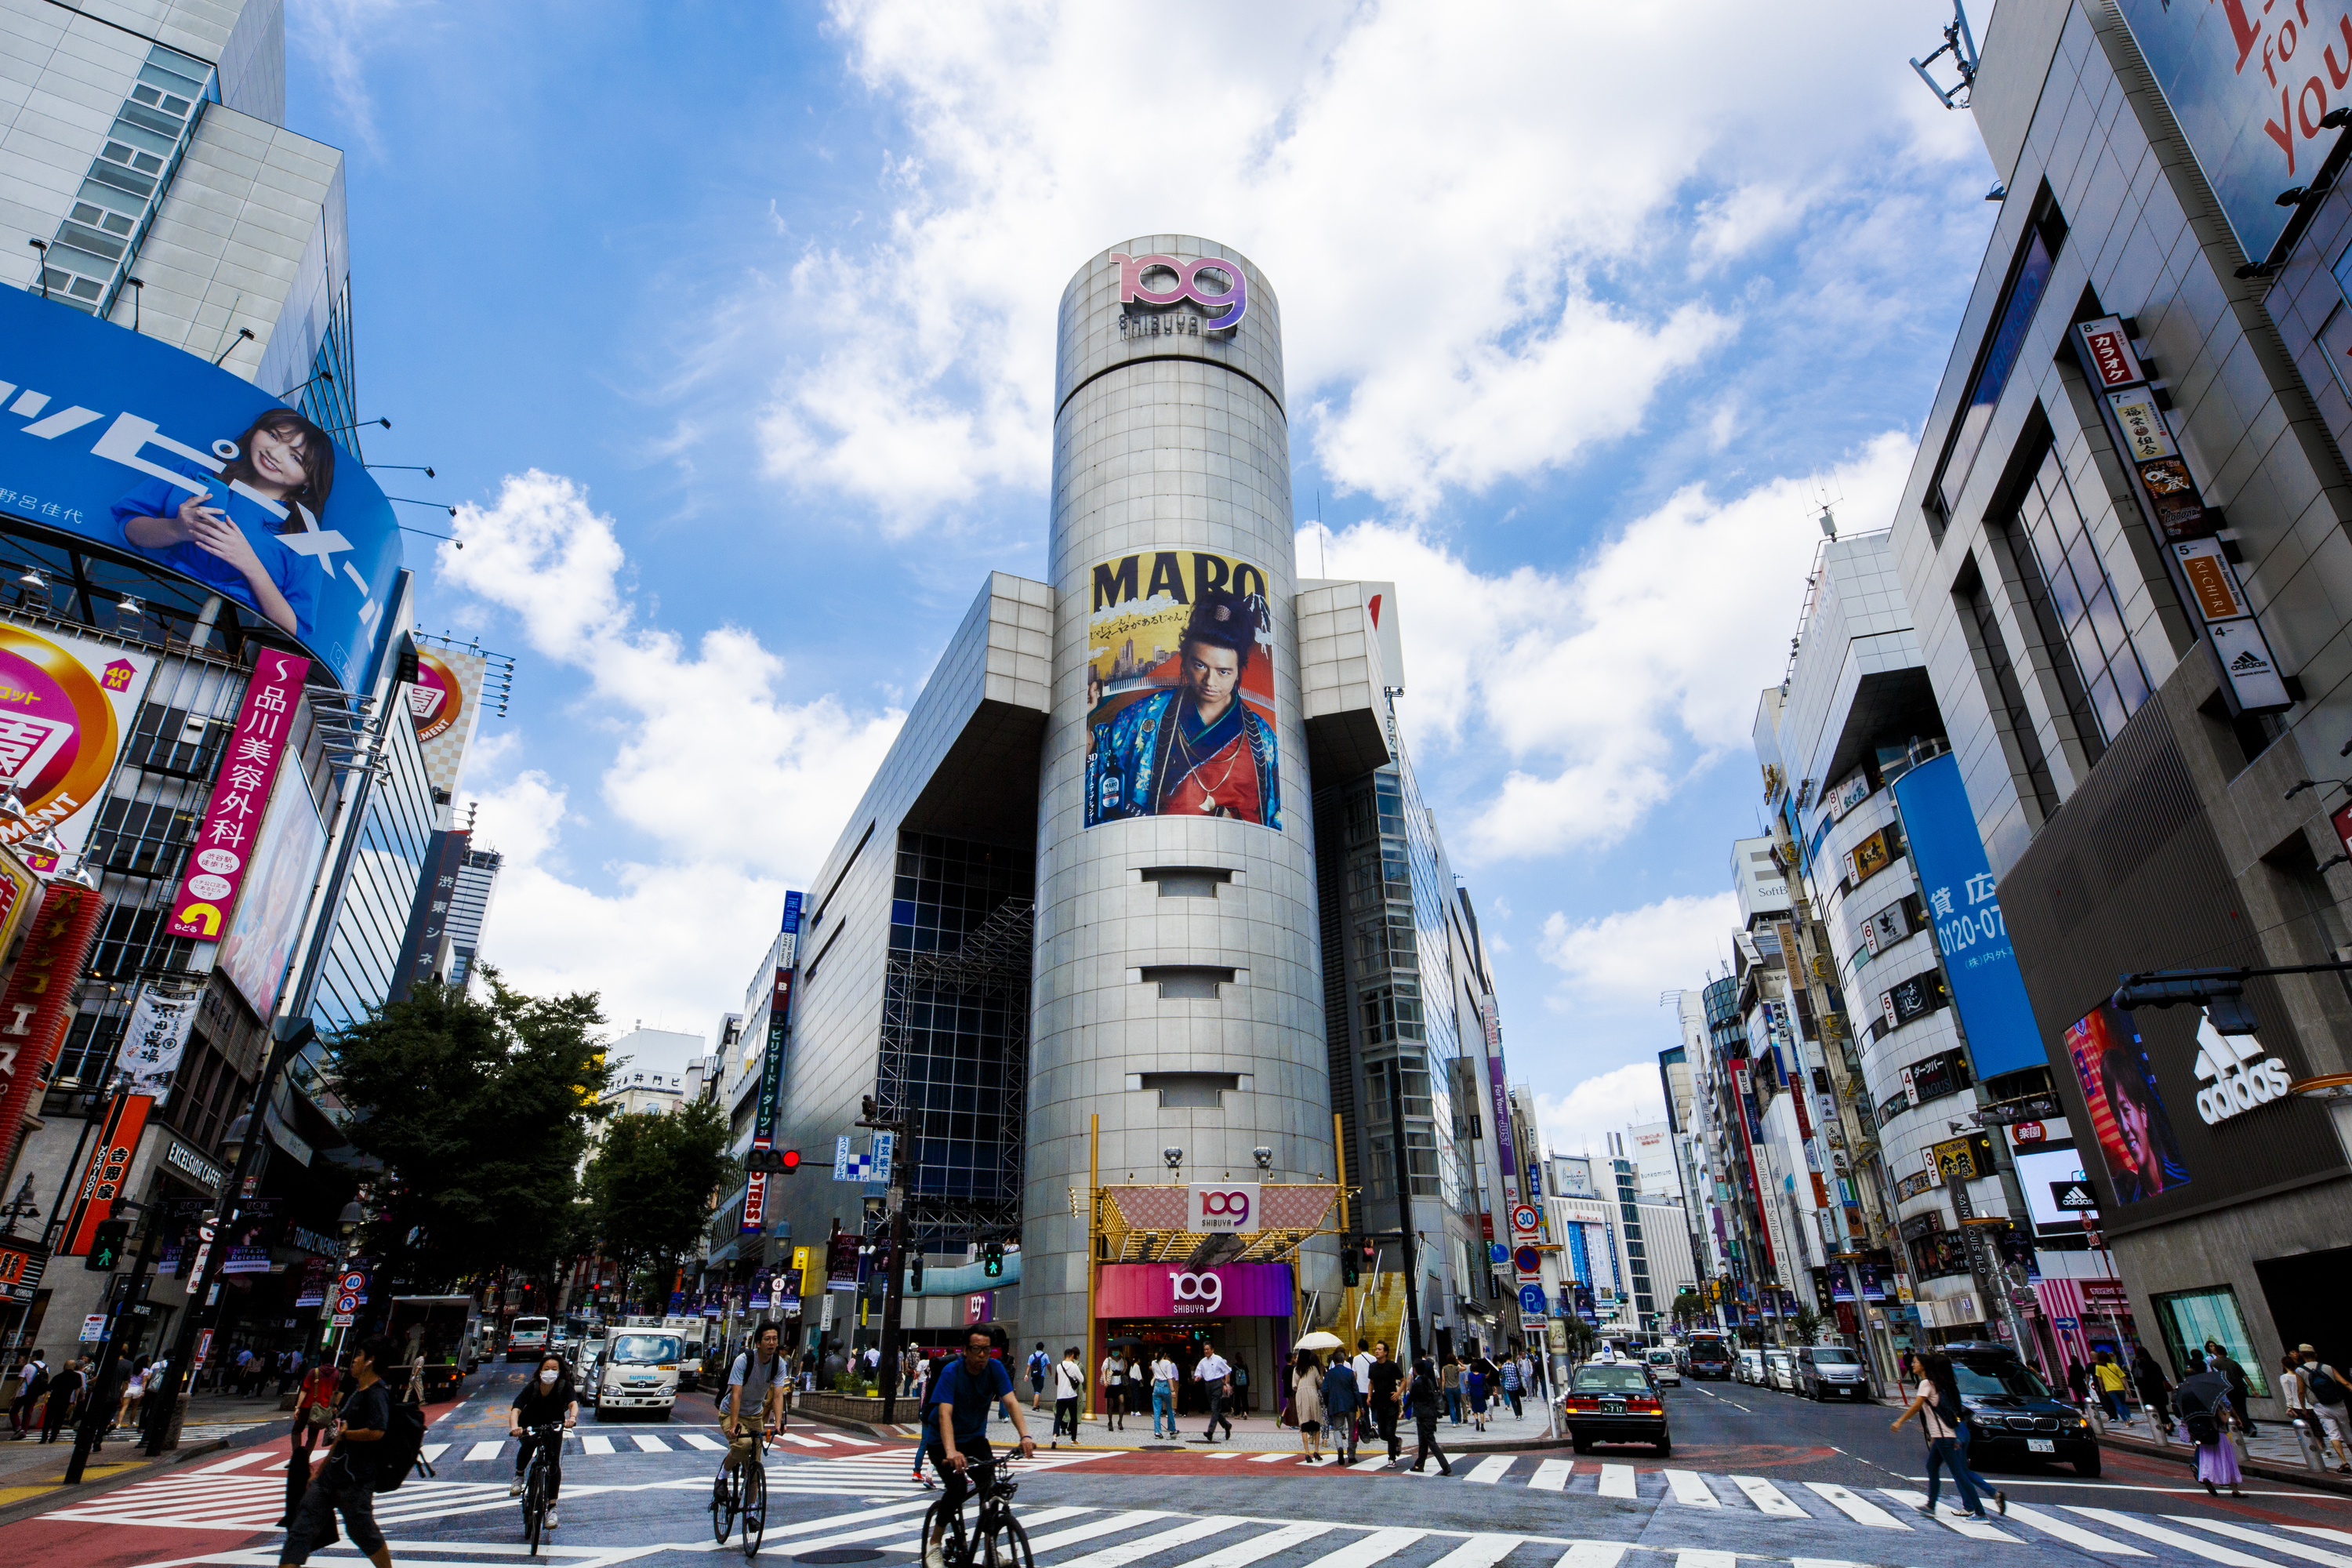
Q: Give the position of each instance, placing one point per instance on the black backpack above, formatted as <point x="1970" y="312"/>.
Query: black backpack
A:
<point x="396" y="1452"/>
<point x="2323" y="1388"/>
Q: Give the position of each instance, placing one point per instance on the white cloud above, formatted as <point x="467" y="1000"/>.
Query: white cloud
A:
<point x="1477" y="216"/>
<point x="1575" y="1122"/>
<point x="1597" y="688"/>
<point x="337" y="34"/>
<point x="1630" y="956"/>
<point x="738" y="788"/>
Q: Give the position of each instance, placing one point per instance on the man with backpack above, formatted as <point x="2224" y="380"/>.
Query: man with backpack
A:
<point x="2331" y="1401"/>
<point x="353" y="1472"/>
<point x="1040" y="1364"/>
<point x="756" y="1383"/>
<point x="32" y="1382"/>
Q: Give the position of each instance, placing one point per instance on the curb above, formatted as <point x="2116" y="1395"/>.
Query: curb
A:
<point x="2267" y="1469"/>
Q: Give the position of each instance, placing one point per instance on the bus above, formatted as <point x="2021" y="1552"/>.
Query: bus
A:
<point x="1707" y="1356"/>
<point x="526" y="1337"/>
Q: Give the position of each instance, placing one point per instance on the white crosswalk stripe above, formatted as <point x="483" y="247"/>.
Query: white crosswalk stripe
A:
<point x="1367" y="1550"/>
<point x="1951" y="1518"/>
<point x="1591" y="1554"/>
<point x="1862" y="1511"/>
<point x="433" y="1451"/>
<point x="1490" y="1471"/>
<point x="1617" y="1481"/>
<point x="484" y="1451"/>
<point x="652" y="1444"/>
<point x="596" y="1443"/>
<point x="1153" y="1545"/>
<point x="1243" y="1552"/>
<point x="2072" y="1535"/>
<point x="1767" y="1497"/>
<point x="1688" y="1489"/>
<point x="1551" y="1474"/>
<point x="2240" y="1532"/>
<point x="1480" y="1552"/>
<point x="2229" y="1556"/>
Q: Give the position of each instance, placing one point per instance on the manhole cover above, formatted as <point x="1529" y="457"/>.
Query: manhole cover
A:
<point x="840" y="1554"/>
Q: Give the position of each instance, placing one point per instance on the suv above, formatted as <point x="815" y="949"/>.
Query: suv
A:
<point x="1749" y="1368"/>
<point x="1830" y="1371"/>
<point x="2014" y="1416"/>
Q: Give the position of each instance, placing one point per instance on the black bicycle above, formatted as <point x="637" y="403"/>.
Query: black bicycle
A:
<point x="992" y="1538"/>
<point x="547" y="1444"/>
<point x="743" y="1493"/>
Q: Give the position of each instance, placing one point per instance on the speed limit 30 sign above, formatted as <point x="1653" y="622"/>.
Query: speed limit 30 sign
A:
<point x="1523" y="1219"/>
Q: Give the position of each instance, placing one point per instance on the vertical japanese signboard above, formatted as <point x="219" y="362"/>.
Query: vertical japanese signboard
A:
<point x="771" y="1065"/>
<point x="109" y="1162"/>
<point x="38" y="1003"/>
<point x="155" y="1039"/>
<point x="226" y="839"/>
<point x="428" y="917"/>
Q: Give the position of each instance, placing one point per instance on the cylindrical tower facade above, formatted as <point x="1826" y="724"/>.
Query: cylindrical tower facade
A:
<point x="1178" y="993"/>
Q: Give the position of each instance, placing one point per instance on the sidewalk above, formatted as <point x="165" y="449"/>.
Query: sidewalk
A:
<point x="30" y="1468"/>
<point x="2272" y="1453"/>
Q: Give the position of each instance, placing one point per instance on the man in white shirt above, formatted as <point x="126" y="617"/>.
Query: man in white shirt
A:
<point x="1210" y="1372"/>
<point x="1363" y="1362"/>
<point x="1069" y="1387"/>
<point x="31" y="1384"/>
<point x="1163" y="1394"/>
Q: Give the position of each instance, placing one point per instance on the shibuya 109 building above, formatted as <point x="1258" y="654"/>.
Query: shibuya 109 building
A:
<point x="1141" y="927"/>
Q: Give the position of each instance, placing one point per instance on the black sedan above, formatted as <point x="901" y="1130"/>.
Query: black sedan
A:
<point x="2014" y="1416"/>
<point x="1614" y="1404"/>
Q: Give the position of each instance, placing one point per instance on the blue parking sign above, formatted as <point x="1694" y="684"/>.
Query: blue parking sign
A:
<point x="1531" y="1301"/>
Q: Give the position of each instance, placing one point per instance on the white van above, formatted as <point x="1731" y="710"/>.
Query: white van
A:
<point x="690" y="1331"/>
<point x="639" y="1373"/>
<point x="526" y="1337"/>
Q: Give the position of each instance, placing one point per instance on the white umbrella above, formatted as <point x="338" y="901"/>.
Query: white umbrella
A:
<point x="1320" y="1340"/>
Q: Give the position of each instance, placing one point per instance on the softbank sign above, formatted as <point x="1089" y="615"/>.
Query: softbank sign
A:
<point x="1227" y="1206"/>
<point x="1230" y="1290"/>
<point x="1170" y="281"/>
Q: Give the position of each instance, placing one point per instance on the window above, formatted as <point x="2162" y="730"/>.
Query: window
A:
<point x="1997" y="677"/>
<point x="2193" y="1318"/>
<point x="2029" y="278"/>
<point x="2074" y="599"/>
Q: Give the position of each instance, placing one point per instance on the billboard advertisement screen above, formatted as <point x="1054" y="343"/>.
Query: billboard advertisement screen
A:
<point x="276" y="896"/>
<point x="1179" y="689"/>
<point x="67" y="705"/>
<point x="2250" y="100"/>
<point x="1957" y="882"/>
<point x="151" y="453"/>
<point x="2127" y="1113"/>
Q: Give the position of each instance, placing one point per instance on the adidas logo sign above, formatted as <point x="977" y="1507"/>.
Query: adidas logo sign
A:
<point x="2237" y="1077"/>
<point x="2247" y="662"/>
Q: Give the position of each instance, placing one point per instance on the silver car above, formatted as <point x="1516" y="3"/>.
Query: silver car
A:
<point x="1830" y="1371"/>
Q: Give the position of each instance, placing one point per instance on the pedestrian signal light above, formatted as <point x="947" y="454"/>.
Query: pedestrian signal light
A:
<point x="106" y="1245"/>
<point x="1348" y="1275"/>
<point x="992" y="1260"/>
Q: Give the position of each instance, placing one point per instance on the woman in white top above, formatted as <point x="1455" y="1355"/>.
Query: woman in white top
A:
<point x="1936" y="1404"/>
<point x="1163" y="1394"/>
<point x="1114" y="1381"/>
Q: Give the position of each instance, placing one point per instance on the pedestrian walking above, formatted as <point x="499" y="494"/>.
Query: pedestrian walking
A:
<point x="1163" y="1394"/>
<point x="1938" y="1412"/>
<point x="1342" y="1397"/>
<point x="1210" y="1372"/>
<point x="2155" y="1391"/>
<point x="314" y="1413"/>
<point x="1069" y="1387"/>
<point x="2331" y="1401"/>
<point x="1114" y="1388"/>
<point x="2108" y="1374"/>
<point x="2078" y="1384"/>
<point x="1473" y="1386"/>
<point x="2221" y="1360"/>
<point x="1041" y="1367"/>
<point x="1449" y="1381"/>
<point x="1307" y="1405"/>
<point x="1511" y="1383"/>
<point x="1361" y="1365"/>
<point x="1241" y="1386"/>
<point x="2207" y="1419"/>
<point x="68" y="1389"/>
<point x="346" y="1483"/>
<point x="1421" y="1397"/>
<point x="32" y="1385"/>
<point x="1387" y="1379"/>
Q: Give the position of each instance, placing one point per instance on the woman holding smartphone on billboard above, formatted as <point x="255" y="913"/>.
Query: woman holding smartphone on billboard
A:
<point x="220" y="536"/>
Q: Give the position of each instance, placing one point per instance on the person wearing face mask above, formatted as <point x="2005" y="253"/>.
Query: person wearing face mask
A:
<point x="546" y="1398"/>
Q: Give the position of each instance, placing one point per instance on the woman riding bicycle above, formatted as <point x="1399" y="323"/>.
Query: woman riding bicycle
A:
<point x="957" y="1422"/>
<point x="546" y="1398"/>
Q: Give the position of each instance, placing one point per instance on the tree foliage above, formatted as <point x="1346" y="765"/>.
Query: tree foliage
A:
<point x="478" y="1107"/>
<point x="650" y="1185"/>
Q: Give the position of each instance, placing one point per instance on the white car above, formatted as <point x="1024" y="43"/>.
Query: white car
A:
<point x="1663" y="1370"/>
<point x="639" y="1373"/>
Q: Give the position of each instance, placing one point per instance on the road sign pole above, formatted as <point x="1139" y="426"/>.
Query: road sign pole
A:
<point x="132" y="1308"/>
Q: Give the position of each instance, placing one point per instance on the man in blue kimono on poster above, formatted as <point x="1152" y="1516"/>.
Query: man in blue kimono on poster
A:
<point x="1194" y="749"/>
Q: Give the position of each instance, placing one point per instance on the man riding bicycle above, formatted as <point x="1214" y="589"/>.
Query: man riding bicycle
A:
<point x="759" y="1379"/>
<point x="967" y="1387"/>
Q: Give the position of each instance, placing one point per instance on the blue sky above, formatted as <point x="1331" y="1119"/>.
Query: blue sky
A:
<point x="730" y="330"/>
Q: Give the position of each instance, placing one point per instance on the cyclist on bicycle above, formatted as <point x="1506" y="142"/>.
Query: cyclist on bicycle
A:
<point x="759" y="1379"/>
<point x="966" y="1387"/>
<point x="546" y="1398"/>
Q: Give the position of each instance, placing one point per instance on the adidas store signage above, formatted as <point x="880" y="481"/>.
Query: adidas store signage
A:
<point x="2246" y="664"/>
<point x="2235" y="1074"/>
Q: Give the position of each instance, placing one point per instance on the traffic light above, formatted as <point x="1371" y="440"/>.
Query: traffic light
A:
<point x="106" y="1245"/>
<point x="1351" y="1263"/>
<point x="991" y="1260"/>
<point x="783" y="1162"/>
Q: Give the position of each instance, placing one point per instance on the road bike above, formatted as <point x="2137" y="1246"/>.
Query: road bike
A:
<point x="993" y="1538"/>
<point x="537" y="1478"/>
<point x="743" y="1493"/>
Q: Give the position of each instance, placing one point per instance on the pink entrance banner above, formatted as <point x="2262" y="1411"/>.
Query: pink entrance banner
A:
<point x="1161" y="1291"/>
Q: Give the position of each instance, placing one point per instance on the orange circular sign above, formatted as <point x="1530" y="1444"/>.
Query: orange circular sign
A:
<point x="436" y="698"/>
<point x="57" y="734"/>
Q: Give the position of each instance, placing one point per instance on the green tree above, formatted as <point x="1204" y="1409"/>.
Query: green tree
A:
<point x="478" y="1109"/>
<point x="1688" y="1308"/>
<point x="649" y="1189"/>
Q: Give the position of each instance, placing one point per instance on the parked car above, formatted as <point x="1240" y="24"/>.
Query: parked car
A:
<point x="1780" y="1370"/>
<point x="1663" y="1369"/>
<point x="639" y="1373"/>
<point x="2012" y="1413"/>
<point x="585" y="1357"/>
<point x="1614" y="1404"/>
<point x="1749" y="1368"/>
<point x="1830" y="1371"/>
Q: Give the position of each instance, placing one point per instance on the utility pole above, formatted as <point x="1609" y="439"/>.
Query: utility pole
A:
<point x="133" y="1306"/>
<point x="1403" y="1166"/>
<point x="894" y="1286"/>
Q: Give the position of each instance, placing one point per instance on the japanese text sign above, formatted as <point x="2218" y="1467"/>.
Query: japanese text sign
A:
<point x="35" y="1007"/>
<point x="109" y="1163"/>
<point x="225" y="841"/>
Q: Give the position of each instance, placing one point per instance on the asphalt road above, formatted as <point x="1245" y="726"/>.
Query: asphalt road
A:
<point x="1756" y="1477"/>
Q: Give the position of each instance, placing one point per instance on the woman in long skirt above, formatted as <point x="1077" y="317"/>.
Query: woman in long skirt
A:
<point x="1307" y="1403"/>
<point x="2217" y="1461"/>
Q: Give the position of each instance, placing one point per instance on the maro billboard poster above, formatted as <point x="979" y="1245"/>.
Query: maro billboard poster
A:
<point x="1179" y="689"/>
